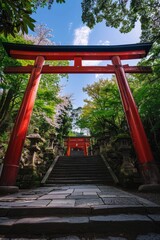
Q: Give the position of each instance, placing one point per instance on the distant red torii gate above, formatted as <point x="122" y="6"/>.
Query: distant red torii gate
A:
<point x="81" y="142"/>
<point x="77" y="53"/>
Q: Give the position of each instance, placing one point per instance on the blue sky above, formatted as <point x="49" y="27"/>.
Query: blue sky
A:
<point x="68" y="29"/>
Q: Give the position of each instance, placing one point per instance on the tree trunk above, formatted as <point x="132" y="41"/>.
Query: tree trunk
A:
<point x="4" y="111"/>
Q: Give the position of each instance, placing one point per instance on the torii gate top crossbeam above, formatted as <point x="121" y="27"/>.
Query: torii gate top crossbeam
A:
<point x="30" y="52"/>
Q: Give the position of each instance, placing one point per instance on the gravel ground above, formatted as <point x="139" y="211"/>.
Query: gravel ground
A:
<point x="153" y="197"/>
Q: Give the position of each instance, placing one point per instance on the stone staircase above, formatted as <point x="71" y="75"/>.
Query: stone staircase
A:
<point x="76" y="213"/>
<point x="79" y="169"/>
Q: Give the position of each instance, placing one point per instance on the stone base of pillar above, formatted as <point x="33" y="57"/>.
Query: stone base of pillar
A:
<point x="8" y="189"/>
<point x="151" y="177"/>
<point x="154" y="188"/>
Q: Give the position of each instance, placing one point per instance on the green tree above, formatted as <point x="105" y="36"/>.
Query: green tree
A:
<point x="103" y="110"/>
<point x="11" y="86"/>
<point x="76" y="131"/>
<point x="146" y="90"/>
<point x="63" y="118"/>
<point x="15" y="15"/>
<point x="124" y="14"/>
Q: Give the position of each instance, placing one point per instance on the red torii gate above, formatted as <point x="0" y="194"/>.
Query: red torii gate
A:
<point x="81" y="142"/>
<point x="77" y="54"/>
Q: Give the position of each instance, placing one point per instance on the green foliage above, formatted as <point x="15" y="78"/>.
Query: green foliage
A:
<point x="11" y="86"/>
<point x="15" y="17"/>
<point x="64" y="118"/>
<point x="146" y="92"/>
<point x="43" y="3"/>
<point x="124" y="14"/>
<point x="103" y="111"/>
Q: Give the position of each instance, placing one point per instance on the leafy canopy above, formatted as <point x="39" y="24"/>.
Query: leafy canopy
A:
<point x="12" y="87"/>
<point x="103" y="110"/>
<point x="123" y="14"/>
<point x="15" y="15"/>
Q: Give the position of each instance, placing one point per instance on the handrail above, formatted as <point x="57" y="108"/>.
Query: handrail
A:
<point x="49" y="170"/>
<point x="115" y="179"/>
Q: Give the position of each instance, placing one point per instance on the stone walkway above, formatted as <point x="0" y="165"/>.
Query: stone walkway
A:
<point x="73" y="196"/>
<point x="85" y="204"/>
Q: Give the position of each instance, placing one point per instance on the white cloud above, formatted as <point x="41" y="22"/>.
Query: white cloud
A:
<point x="104" y="42"/>
<point x="98" y="76"/>
<point x="91" y="62"/>
<point x="81" y="35"/>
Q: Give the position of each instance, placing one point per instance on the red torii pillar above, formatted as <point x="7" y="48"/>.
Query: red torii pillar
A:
<point x="68" y="153"/>
<point x="13" y="154"/>
<point x="85" y="148"/>
<point x="138" y="135"/>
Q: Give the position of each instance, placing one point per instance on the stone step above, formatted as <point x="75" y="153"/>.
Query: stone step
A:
<point x="23" y="212"/>
<point x="66" y="181"/>
<point x="84" y="168"/>
<point x="79" y="179"/>
<point x="79" y="170"/>
<point x="117" y="223"/>
<point x="76" y="161"/>
<point x="83" y="164"/>
<point x="80" y="157"/>
<point x="79" y="176"/>
<point x="80" y="165"/>
<point x="102" y="172"/>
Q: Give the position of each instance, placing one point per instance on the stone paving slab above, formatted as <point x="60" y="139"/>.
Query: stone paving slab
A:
<point x="88" y="202"/>
<point x="121" y="201"/>
<point x="155" y="217"/>
<point x="16" y="204"/>
<point x="60" y="203"/>
<point x="121" y="223"/>
<point x="73" y="195"/>
<point x="53" y="220"/>
<point x="149" y="236"/>
<point x="90" y="193"/>
<point x="67" y="191"/>
<point x="120" y="217"/>
<point x="146" y="202"/>
<point x="87" y="190"/>
<point x="78" y="193"/>
<point x="84" y="197"/>
<point x="54" y="196"/>
<point x="7" y="221"/>
<point x="39" y="203"/>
